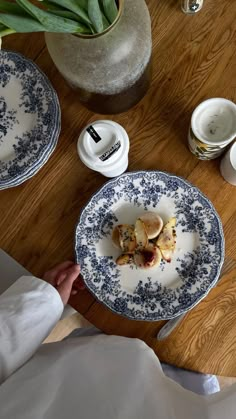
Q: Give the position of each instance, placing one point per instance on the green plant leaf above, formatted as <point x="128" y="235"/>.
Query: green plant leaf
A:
<point x="83" y="4"/>
<point x="105" y="22"/>
<point x="13" y="8"/>
<point x="92" y="30"/>
<point x="21" y="24"/>
<point x="110" y="9"/>
<point x="51" y="22"/>
<point x="95" y="15"/>
<point x="60" y="11"/>
<point x="5" y="31"/>
<point x="67" y="14"/>
<point x="75" y="6"/>
<point x="50" y="6"/>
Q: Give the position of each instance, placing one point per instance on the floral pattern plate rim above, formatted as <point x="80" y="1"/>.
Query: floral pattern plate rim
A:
<point x="30" y="119"/>
<point x="163" y="292"/>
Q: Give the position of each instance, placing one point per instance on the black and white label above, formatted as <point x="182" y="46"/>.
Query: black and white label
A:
<point x="93" y="134"/>
<point x="105" y="156"/>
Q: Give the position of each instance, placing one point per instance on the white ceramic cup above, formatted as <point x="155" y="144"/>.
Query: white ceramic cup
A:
<point x="213" y="127"/>
<point x="228" y="165"/>
<point x="103" y="146"/>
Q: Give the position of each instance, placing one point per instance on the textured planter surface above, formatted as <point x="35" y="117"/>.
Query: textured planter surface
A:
<point x="111" y="71"/>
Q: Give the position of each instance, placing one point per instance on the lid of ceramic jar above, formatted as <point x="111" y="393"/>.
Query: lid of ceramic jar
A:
<point x="102" y="145"/>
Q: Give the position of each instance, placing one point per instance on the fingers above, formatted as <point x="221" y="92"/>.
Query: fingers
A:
<point x="51" y="276"/>
<point x="79" y="284"/>
<point x="71" y="274"/>
<point x="65" y="287"/>
<point x="65" y="278"/>
<point x="60" y="278"/>
<point x="61" y="267"/>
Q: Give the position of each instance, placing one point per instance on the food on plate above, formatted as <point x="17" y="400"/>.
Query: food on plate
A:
<point x="153" y="224"/>
<point x="147" y="242"/>
<point x="127" y="238"/>
<point x="116" y="238"/>
<point x="125" y="259"/>
<point x="140" y="234"/>
<point x="167" y="255"/>
<point x="166" y="239"/>
<point x="148" y="257"/>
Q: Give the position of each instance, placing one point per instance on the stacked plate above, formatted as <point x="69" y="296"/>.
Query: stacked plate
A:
<point x="30" y="119"/>
<point x="161" y="292"/>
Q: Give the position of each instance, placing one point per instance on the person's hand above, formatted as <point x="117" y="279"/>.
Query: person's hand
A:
<point x="65" y="278"/>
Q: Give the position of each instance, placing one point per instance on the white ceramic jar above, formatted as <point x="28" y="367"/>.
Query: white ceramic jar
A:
<point x="103" y="146"/>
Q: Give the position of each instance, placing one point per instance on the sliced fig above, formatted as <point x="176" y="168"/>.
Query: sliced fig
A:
<point x="153" y="224"/>
<point x="167" y="238"/>
<point x="140" y="234"/>
<point x="127" y="238"/>
<point x="171" y="223"/>
<point x="167" y="255"/>
<point x="125" y="259"/>
<point x="116" y="237"/>
<point x="166" y="241"/>
<point x="148" y="257"/>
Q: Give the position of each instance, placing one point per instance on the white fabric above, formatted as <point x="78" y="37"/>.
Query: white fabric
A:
<point x="29" y="310"/>
<point x="204" y="384"/>
<point x="102" y="377"/>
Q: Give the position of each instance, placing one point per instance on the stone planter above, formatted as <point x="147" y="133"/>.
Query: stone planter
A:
<point x="111" y="71"/>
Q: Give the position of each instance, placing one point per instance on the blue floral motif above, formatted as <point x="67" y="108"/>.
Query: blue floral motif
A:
<point x="7" y="118"/>
<point x="197" y="271"/>
<point x="120" y="305"/>
<point x="109" y="193"/>
<point x="172" y="186"/>
<point x="100" y="223"/>
<point x="5" y="74"/>
<point x="30" y="150"/>
<point x="162" y="265"/>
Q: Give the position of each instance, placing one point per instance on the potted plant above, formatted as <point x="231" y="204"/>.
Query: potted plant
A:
<point x="101" y="47"/>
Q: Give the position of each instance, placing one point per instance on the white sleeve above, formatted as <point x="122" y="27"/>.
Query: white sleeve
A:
<point x="29" y="310"/>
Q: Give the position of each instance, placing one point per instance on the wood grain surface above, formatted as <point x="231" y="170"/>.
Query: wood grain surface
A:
<point x="194" y="58"/>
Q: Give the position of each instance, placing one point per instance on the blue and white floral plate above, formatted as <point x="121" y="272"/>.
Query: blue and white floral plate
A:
<point x="30" y="119"/>
<point x="161" y="292"/>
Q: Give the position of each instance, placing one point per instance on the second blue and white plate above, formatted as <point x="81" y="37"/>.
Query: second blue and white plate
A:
<point x="161" y="292"/>
<point x="30" y="119"/>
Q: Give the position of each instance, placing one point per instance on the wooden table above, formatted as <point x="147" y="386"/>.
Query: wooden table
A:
<point x="194" y="59"/>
